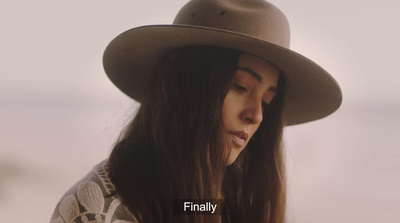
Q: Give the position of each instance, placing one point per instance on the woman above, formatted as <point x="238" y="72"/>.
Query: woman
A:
<point x="216" y="89"/>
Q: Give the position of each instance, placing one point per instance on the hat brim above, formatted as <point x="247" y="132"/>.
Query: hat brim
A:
<point x="130" y="59"/>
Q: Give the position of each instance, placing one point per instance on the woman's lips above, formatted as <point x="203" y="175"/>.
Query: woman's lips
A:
<point x="239" y="138"/>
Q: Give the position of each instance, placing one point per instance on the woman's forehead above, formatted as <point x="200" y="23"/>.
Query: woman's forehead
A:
<point x="258" y="68"/>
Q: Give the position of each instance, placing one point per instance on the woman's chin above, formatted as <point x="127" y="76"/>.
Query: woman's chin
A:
<point x="233" y="156"/>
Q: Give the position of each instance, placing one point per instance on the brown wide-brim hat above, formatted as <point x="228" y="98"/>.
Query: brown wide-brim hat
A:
<point x="253" y="26"/>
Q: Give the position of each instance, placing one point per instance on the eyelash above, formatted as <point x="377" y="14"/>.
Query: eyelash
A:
<point x="242" y="89"/>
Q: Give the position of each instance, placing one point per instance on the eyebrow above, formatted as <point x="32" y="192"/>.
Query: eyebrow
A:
<point x="256" y="76"/>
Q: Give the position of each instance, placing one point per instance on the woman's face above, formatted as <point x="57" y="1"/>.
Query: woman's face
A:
<point x="254" y="87"/>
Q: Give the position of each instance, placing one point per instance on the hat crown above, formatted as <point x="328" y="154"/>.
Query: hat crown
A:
<point x="255" y="18"/>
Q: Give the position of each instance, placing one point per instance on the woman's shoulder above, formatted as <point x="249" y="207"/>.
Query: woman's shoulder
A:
<point x="92" y="199"/>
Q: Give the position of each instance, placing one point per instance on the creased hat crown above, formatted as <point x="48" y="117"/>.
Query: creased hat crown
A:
<point x="256" y="18"/>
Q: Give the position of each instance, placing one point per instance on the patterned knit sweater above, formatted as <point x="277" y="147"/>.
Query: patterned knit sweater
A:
<point x="93" y="199"/>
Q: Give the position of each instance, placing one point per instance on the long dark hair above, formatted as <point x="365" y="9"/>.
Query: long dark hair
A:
<point x="175" y="147"/>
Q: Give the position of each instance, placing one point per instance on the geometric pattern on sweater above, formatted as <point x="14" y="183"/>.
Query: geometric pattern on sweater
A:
<point x="93" y="199"/>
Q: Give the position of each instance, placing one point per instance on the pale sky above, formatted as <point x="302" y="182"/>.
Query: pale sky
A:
<point x="60" y="115"/>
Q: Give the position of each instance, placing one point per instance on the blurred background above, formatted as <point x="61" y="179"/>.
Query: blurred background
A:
<point x="60" y="115"/>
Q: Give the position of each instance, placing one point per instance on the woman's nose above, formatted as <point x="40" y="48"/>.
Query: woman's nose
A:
<point x="252" y="112"/>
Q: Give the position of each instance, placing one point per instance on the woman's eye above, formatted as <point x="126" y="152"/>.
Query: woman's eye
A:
<point x="240" y="89"/>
